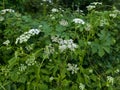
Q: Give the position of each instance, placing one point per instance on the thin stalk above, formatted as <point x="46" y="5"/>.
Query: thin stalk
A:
<point x="3" y="4"/>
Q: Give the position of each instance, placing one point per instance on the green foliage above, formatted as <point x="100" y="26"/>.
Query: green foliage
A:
<point x="60" y="51"/>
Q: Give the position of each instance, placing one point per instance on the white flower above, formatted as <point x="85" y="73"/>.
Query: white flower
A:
<point x="93" y="5"/>
<point x="63" y="22"/>
<point x="117" y="71"/>
<point x="6" y="42"/>
<point x="62" y="48"/>
<point x="103" y="22"/>
<point x="26" y="35"/>
<point x="88" y="27"/>
<point x="110" y="79"/>
<point x="49" y="49"/>
<point x="64" y="44"/>
<point x="50" y="1"/>
<point x="55" y="38"/>
<point x="90" y="7"/>
<point x="73" y="68"/>
<point x="90" y="71"/>
<point x="89" y="43"/>
<point x="113" y="15"/>
<point x="78" y="20"/>
<point x="97" y="3"/>
<point x="22" y="67"/>
<point x="34" y="31"/>
<point x="81" y="86"/>
<point x="7" y="10"/>
<point x="51" y="78"/>
<point x="54" y="10"/>
<point x="1" y="18"/>
<point x="31" y="61"/>
<point x="116" y="11"/>
<point x="44" y="0"/>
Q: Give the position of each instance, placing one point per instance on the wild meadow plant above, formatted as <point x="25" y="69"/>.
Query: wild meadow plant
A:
<point x="60" y="51"/>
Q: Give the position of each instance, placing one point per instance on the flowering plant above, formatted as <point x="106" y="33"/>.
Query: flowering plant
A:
<point x="60" y="51"/>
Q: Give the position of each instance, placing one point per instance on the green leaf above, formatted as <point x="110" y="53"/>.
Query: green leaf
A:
<point x="13" y="61"/>
<point x="14" y="76"/>
<point x="43" y="87"/>
<point x="101" y="52"/>
<point x="107" y="49"/>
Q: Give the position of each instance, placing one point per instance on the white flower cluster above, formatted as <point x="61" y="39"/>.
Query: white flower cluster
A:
<point x="22" y="67"/>
<point x="90" y="7"/>
<point x="88" y="27"/>
<point x="104" y="22"/>
<point x="1" y="18"/>
<point x="49" y="49"/>
<point x="64" y="44"/>
<point x="114" y="13"/>
<point x="54" y="10"/>
<point x="96" y="3"/>
<point x="6" y="42"/>
<point x="90" y="70"/>
<point x="7" y="10"/>
<point x="81" y="86"/>
<point x="78" y="21"/>
<point x="52" y="16"/>
<point x="47" y="0"/>
<point x="73" y="68"/>
<point x="63" y="22"/>
<point x="31" y="61"/>
<point x="51" y="78"/>
<point x="25" y="36"/>
<point x="117" y="71"/>
<point x="110" y="79"/>
<point x="93" y="5"/>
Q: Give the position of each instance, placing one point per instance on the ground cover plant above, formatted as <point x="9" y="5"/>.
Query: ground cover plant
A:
<point x="63" y="50"/>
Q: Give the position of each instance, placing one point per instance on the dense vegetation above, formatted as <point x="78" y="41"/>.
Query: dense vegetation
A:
<point x="59" y="45"/>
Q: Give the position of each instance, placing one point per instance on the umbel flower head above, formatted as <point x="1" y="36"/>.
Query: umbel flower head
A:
<point x="63" y="22"/>
<point x="73" y="68"/>
<point x="25" y="36"/>
<point x="64" y="44"/>
<point x="6" y="42"/>
<point x="78" y="21"/>
<point x="81" y="86"/>
<point x="54" y="10"/>
<point x="110" y="80"/>
<point x="7" y="10"/>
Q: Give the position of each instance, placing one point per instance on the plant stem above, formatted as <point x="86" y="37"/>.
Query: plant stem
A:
<point x="3" y="4"/>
